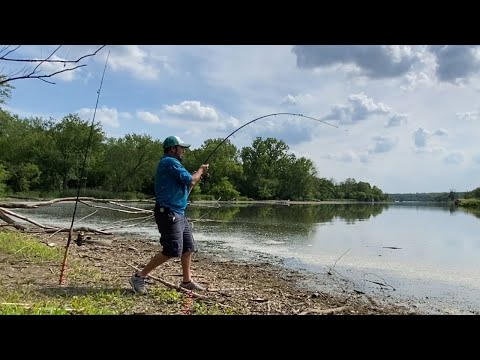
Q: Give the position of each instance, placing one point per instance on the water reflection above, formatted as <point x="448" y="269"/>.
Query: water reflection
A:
<point x="288" y="215"/>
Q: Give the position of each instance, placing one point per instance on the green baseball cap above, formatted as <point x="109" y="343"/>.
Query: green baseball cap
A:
<point x="174" y="141"/>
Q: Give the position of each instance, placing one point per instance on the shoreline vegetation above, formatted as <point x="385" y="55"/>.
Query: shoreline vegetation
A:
<point x="97" y="283"/>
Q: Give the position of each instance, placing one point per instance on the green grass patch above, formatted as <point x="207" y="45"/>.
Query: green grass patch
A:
<point x="27" y="247"/>
<point x="24" y="302"/>
<point x="201" y="308"/>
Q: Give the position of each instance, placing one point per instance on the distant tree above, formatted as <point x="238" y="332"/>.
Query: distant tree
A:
<point x="452" y="195"/>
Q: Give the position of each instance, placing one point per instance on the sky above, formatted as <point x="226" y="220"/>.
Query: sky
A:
<point x="406" y="118"/>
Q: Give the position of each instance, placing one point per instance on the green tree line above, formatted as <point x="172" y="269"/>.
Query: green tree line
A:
<point x="44" y="157"/>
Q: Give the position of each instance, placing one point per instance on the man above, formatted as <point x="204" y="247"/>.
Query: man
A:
<point x="173" y="184"/>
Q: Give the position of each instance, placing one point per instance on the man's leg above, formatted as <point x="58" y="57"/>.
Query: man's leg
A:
<point x="171" y="239"/>
<point x="188" y="248"/>
<point x="186" y="266"/>
<point x="154" y="262"/>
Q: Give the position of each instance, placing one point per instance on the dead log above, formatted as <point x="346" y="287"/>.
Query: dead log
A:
<point x="10" y="221"/>
<point x="11" y="213"/>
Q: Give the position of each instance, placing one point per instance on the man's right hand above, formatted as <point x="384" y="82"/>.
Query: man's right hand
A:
<point x="203" y="168"/>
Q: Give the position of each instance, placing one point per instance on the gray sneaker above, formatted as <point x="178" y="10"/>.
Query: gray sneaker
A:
<point x="138" y="284"/>
<point x="192" y="285"/>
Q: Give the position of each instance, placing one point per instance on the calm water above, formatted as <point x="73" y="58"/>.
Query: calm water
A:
<point x="423" y="253"/>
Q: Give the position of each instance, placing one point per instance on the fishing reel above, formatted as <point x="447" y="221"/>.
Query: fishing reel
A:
<point x="205" y="177"/>
<point x="81" y="239"/>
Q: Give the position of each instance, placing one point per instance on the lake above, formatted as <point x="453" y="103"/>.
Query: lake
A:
<point x="424" y="253"/>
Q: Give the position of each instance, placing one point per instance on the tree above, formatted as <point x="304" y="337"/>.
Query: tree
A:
<point x="129" y="162"/>
<point x="223" y="163"/>
<point x="262" y="164"/>
<point x="64" y="149"/>
<point x="452" y="195"/>
<point x="5" y="89"/>
<point x="225" y="190"/>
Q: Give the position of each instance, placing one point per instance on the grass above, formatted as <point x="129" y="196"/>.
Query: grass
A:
<point x="26" y="247"/>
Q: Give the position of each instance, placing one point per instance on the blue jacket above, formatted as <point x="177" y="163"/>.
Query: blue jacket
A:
<point x="171" y="184"/>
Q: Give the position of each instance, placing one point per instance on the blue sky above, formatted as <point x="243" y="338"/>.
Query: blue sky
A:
<point x="411" y="113"/>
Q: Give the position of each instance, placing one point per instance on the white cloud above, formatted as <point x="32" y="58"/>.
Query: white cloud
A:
<point x="135" y="60"/>
<point x="299" y="99"/>
<point x="345" y="156"/>
<point x="107" y="116"/>
<point x="441" y="132"/>
<point x="359" y="107"/>
<point x="455" y="157"/>
<point x="193" y="110"/>
<point x="397" y="120"/>
<point x="469" y="115"/>
<point x="383" y="144"/>
<point x="420" y="137"/>
<point x="148" y="117"/>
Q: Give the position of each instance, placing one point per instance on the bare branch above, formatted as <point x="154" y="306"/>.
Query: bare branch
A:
<point x="49" y="82"/>
<point x="30" y="76"/>
<point x="41" y="62"/>
<point x="10" y="50"/>
<point x="34" y="74"/>
<point x="52" y="61"/>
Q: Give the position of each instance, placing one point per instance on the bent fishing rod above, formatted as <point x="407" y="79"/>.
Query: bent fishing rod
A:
<point x="261" y="117"/>
<point x="64" y="263"/>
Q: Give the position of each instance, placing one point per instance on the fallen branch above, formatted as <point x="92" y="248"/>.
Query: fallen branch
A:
<point x="91" y="257"/>
<point x="11" y="213"/>
<point x="10" y="222"/>
<point x="169" y="284"/>
<point x="110" y="208"/>
<point x="325" y="311"/>
<point x="81" y="228"/>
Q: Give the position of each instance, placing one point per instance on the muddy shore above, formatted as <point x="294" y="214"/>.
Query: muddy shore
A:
<point x="244" y="288"/>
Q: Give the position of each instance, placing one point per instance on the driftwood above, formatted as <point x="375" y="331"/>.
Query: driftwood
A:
<point x="8" y="215"/>
<point x="325" y="311"/>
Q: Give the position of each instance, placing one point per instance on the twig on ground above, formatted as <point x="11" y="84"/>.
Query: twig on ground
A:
<point x="325" y="311"/>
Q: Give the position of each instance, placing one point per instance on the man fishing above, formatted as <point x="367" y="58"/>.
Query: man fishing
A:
<point x="173" y="184"/>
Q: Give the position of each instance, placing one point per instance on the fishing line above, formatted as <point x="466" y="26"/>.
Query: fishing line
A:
<point x="64" y="263"/>
<point x="261" y="117"/>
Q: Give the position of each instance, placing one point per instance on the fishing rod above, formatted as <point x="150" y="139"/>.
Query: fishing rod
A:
<point x="64" y="263"/>
<point x="261" y="117"/>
